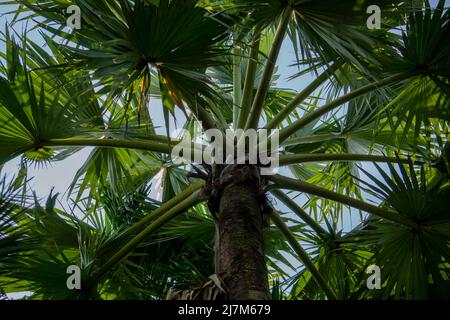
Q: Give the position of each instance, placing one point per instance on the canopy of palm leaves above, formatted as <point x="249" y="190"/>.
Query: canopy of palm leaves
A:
<point x="365" y="143"/>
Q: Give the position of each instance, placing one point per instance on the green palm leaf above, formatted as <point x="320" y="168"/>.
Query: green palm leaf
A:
<point x="411" y="268"/>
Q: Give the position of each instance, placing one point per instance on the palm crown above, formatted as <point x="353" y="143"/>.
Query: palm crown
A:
<point x="366" y="139"/>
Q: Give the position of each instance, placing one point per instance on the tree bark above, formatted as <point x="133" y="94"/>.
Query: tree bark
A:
<point x="240" y="248"/>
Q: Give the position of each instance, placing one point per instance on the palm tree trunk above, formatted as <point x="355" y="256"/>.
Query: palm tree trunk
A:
<point x="240" y="248"/>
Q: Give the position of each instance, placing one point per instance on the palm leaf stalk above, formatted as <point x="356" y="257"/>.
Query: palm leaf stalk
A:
<point x="261" y="94"/>
<point x="302" y="96"/>
<point x="247" y="94"/>
<point x="289" y="159"/>
<point x="169" y="215"/>
<point x="281" y="182"/>
<point x="286" y="132"/>
<point x="299" y="211"/>
<point x="303" y="255"/>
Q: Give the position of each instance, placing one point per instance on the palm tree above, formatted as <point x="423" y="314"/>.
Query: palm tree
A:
<point x="364" y="143"/>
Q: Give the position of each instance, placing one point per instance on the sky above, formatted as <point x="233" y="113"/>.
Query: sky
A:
<point x="59" y="175"/>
